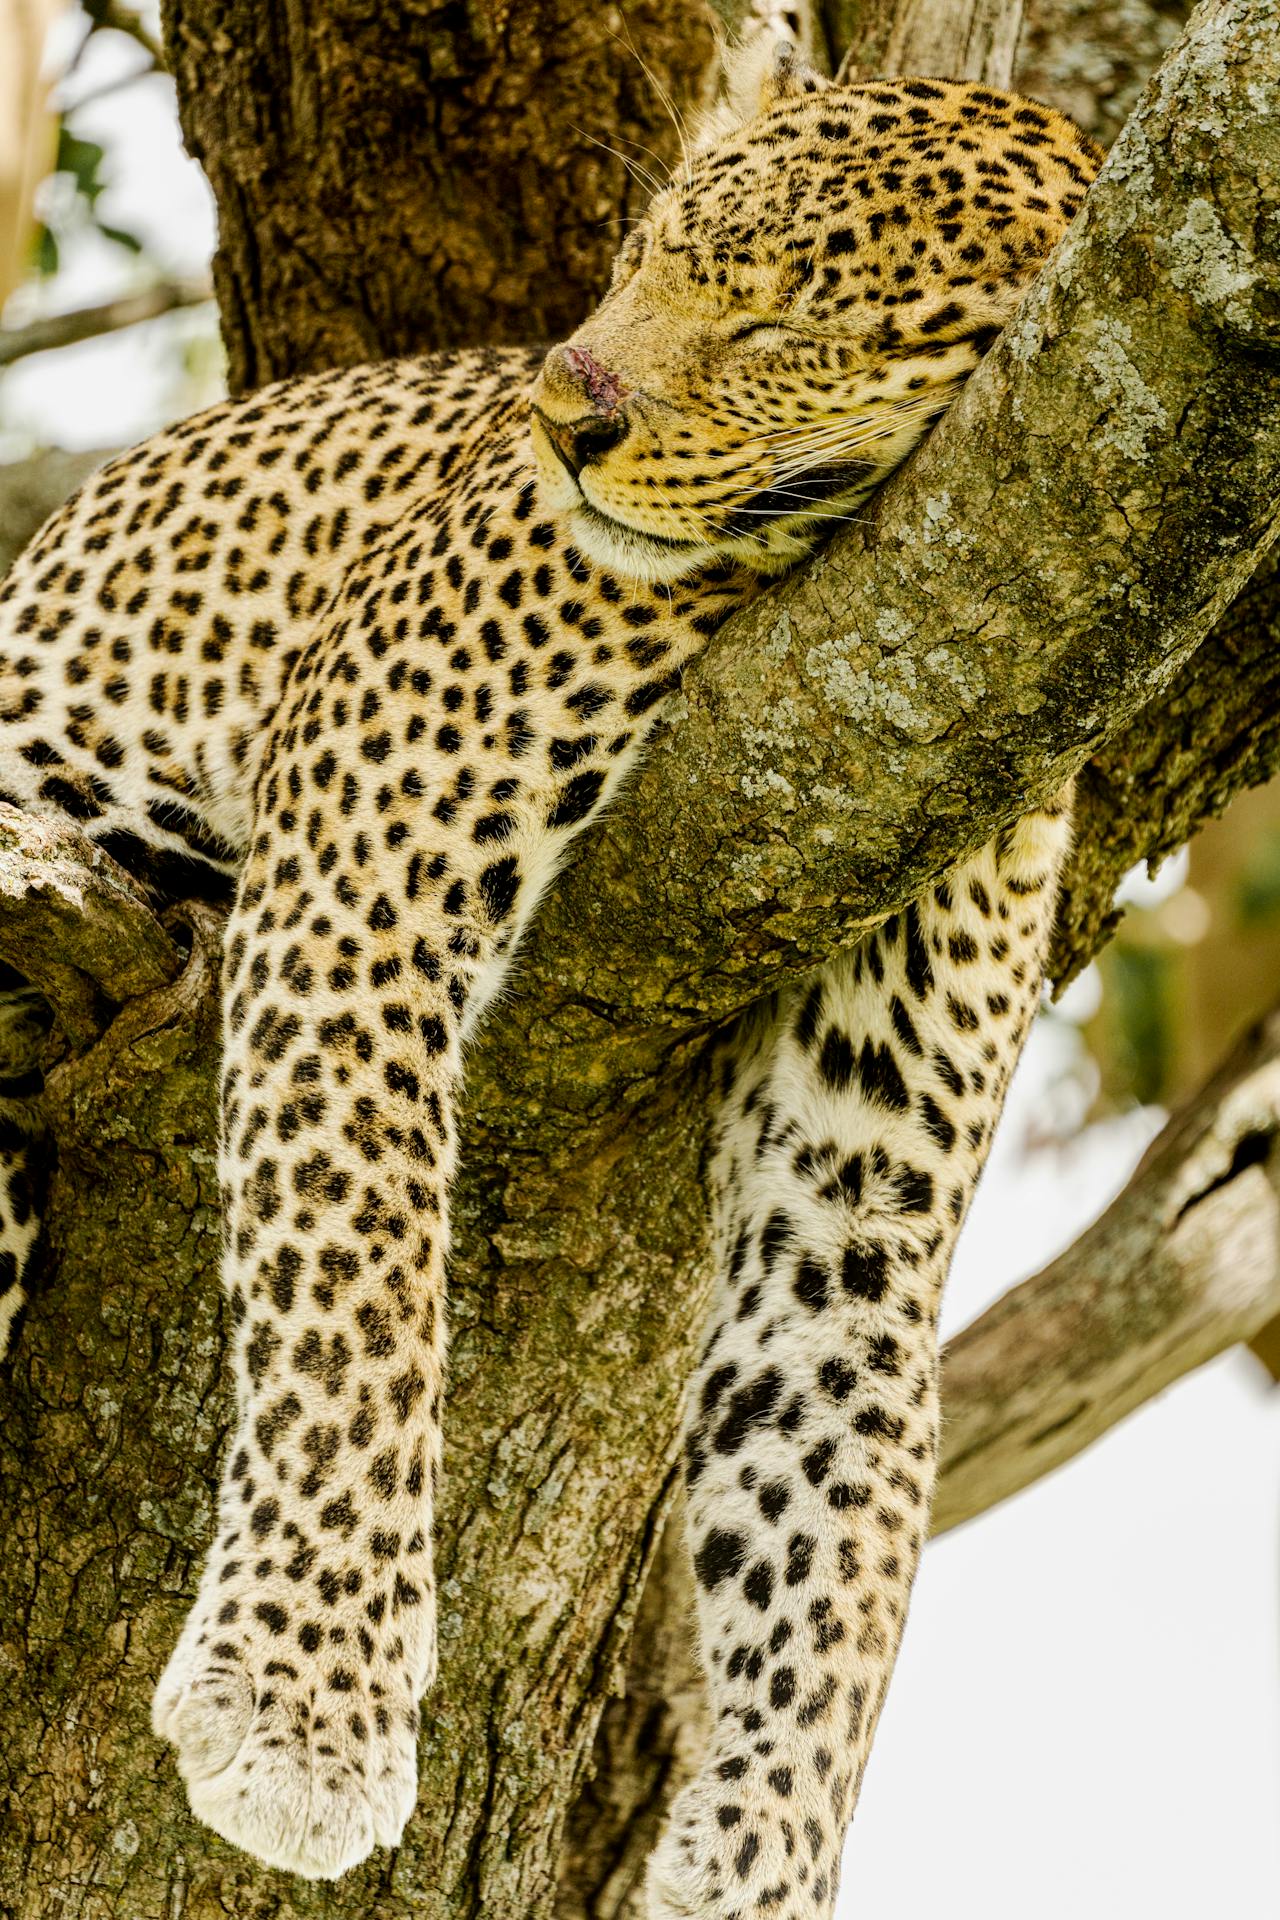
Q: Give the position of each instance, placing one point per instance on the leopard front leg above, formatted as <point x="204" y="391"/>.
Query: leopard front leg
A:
<point x="292" y="1697"/>
<point x="855" y="1120"/>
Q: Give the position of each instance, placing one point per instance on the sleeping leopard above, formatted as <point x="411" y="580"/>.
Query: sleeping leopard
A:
<point x="372" y="648"/>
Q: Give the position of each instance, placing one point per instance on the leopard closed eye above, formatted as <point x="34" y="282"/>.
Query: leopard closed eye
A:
<point x="372" y="648"/>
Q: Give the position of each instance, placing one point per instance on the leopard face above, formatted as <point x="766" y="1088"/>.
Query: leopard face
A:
<point x="795" y="308"/>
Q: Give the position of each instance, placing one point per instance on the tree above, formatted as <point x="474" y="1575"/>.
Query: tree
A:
<point x="919" y="678"/>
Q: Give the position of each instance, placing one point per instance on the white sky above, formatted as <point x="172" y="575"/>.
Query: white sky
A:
<point x="1085" y="1719"/>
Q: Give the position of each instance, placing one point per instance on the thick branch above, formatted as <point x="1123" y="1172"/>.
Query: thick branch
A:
<point x="1181" y="773"/>
<point x="31" y="489"/>
<point x="649" y="1743"/>
<point x="1213" y="732"/>
<point x="1185" y="1263"/>
<point x="75" y="923"/>
<point x="565" y="1391"/>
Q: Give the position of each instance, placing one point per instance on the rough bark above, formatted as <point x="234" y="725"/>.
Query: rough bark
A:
<point x="391" y="179"/>
<point x="1142" y="795"/>
<point x="1186" y="1262"/>
<point x="77" y="924"/>
<point x="649" y="1743"/>
<point x="1091" y="58"/>
<point x="1214" y="731"/>
<point x="1041" y="573"/>
<point x="647" y="1746"/>
<point x="973" y="41"/>
<point x="581" y="1272"/>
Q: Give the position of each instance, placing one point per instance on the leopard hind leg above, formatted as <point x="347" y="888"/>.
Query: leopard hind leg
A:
<point x="855" y="1115"/>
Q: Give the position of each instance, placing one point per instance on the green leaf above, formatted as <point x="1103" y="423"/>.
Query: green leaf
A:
<point x="118" y="234"/>
<point x="44" y="251"/>
<point x="81" y="159"/>
<point x="1141" y="979"/>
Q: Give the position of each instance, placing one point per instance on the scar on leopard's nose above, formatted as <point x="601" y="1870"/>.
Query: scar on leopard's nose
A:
<point x="605" y="390"/>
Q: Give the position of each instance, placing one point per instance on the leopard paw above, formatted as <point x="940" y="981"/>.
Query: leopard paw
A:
<point x="294" y="1727"/>
<point x="307" y="1766"/>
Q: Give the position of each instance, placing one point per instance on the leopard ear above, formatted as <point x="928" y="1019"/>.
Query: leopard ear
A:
<point x="761" y="72"/>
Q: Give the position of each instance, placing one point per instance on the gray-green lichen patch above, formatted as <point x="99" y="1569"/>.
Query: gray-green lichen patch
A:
<point x="961" y="672"/>
<point x="1206" y="262"/>
<point x="1132" y="162"/>
<point x="1133" y="415"/>
<point x="776" y="737"/>
<point x="769" y="783"/>
<point x="838" y="665"/>
<point x="893" y="630"/>
<point x="778" y="641"/>
<point x="893" y="692"/>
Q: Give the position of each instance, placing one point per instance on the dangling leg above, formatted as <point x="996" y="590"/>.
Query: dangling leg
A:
<point x="292" y="1696"/>
<point x="856" y="1118"/>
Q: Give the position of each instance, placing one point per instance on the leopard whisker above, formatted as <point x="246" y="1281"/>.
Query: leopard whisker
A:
<point x="642" y="176"/>
<point x="664" y="98"/>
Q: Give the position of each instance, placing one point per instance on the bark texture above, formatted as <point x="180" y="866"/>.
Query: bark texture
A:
<point x="973" y="41"/>
<point x="1214" y="731"/>
<point x="1210" y="733"/>
<point x="1041" y="573"/>
<point x="1091" y="58"/>
<point x="862" y="729"/>
<point x="397" y="178"/>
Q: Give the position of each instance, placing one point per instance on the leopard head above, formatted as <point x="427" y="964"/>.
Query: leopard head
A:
<point x="795" y="308"/>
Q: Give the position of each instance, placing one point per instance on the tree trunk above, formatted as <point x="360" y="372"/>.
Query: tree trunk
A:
<point x="394" y="178"/>
<point x="580" y="1276"/>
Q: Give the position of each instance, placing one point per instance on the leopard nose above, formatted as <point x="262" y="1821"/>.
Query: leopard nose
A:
<point x="579" y="442"/>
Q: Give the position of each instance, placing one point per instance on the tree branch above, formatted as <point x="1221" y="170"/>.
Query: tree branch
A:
<point x="1156" y="779"/>
<point x="1212" y="733"/>
<point x="75" y="923"/>
<point x="460" y="177"/>
<point x="1086" y="543"/>
<point x="31" y="489"/>
<point x="649" y="1743"/>
<point x="127" y="20"/>
<point x="1184" y="1264"/>
<point x="1092" y="61"/>
<point x="1040" y="574"/>
<point x="90" y="323"/>
<point x="1156" y="776"/>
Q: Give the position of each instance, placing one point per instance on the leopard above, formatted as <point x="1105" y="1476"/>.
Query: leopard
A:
<point x="367" y="651"/>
